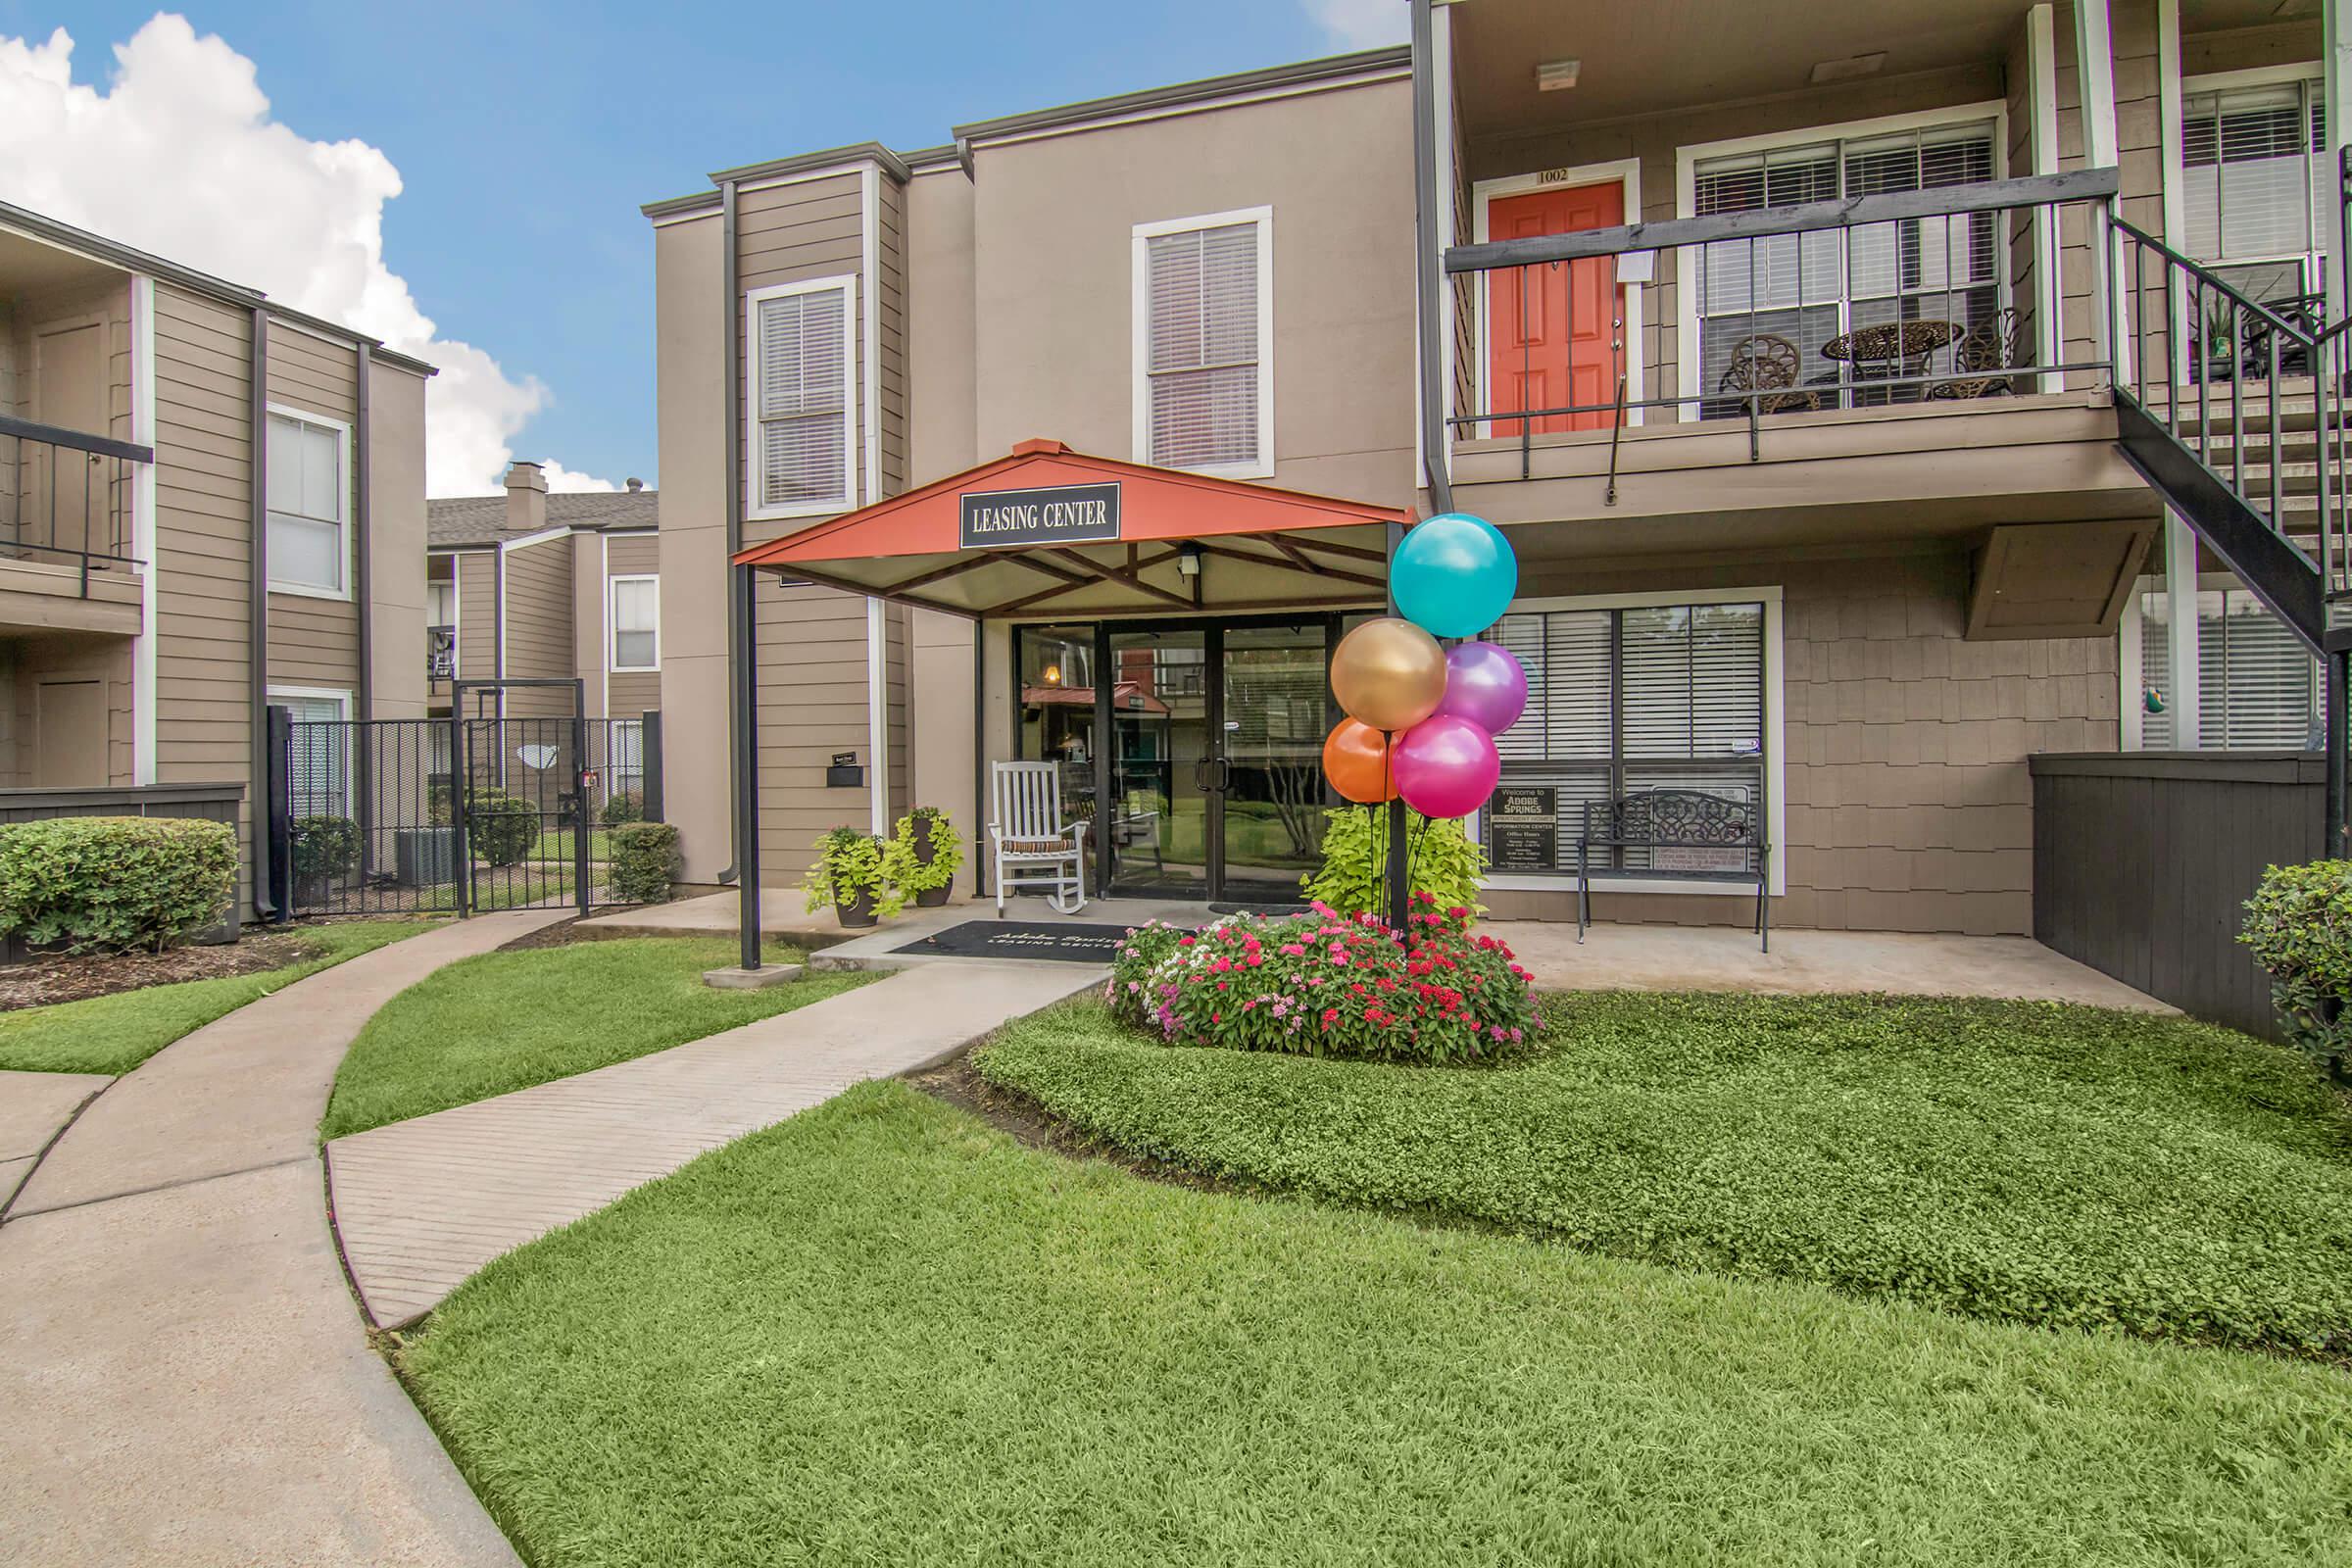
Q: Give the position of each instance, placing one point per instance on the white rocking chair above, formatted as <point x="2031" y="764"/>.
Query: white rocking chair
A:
<point x="1027" y="833"/>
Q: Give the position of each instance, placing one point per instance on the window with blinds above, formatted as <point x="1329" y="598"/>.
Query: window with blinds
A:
<point x="1805" y="290"/>
<point x="305" y="504"/>
<point x="316" y="752"/>
<point x="802" y="396"/>
<point x="1203" y="394"/>
<point x="1623" y="700"/>
<point x="636" y="624"/>
<point x="2255" y="186"/>
<point x="2257" y="684"/>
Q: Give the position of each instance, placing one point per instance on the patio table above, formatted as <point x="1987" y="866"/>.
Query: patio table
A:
<point x="1892" y="348"/>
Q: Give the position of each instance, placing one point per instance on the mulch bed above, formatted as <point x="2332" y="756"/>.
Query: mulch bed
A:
<point x="57" y="977"/>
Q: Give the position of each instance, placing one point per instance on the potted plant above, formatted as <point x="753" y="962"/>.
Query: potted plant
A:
<point x="850" y="875"/>
<point x="325" y="849"/>
<point x="925" y="856"/>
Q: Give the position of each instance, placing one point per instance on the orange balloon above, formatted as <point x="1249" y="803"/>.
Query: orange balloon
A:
<point x="1355" y="759"/>
<point x="1388" y="673"/>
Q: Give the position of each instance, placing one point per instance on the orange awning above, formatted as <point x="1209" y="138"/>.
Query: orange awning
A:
<point x="1047" y="531"/>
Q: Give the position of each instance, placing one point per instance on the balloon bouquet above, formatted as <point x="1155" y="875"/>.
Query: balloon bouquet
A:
<point x="1422" y="719"/>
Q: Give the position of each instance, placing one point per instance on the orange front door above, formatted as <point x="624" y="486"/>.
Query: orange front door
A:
<point x="1554" y="327"/>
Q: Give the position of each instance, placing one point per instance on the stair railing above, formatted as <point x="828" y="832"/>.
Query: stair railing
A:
<point x="2254" y="389"/>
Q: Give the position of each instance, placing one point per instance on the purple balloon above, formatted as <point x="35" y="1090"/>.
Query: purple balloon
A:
<point x="1485" y="685"/>
<point x="1447" y="767"/>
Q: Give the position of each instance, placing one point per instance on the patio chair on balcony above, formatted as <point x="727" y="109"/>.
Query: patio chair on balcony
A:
<point x="1990" y="345"/>
<point x="1762" y="363"/>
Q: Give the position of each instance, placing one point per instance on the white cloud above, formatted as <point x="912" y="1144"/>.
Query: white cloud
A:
<point x="178" y="156"/>
<point x="1363" y="23"/>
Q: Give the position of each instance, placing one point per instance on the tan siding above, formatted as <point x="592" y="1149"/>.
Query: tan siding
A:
<point x="630" y="556"/>
<point x="538" y="625"/>
<point x="478" y="614"/>
<point x="900" y="699"/>
<point x="790" y="234"/>
<point x="890" y="272"/>
<point x="314" y="642"/>
<point x="813" y="702"/>
<point x="1908" y="804"/>
<point x="312" y="374"/>
<point x="635" y="693"/>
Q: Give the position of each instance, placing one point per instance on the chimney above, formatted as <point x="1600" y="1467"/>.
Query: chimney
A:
<point x="526" y="497"/>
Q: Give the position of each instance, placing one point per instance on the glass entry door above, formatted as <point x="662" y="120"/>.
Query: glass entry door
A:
<point x="1216" y="765"/>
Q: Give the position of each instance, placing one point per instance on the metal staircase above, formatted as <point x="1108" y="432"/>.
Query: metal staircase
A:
<point x="2235" y="412"/>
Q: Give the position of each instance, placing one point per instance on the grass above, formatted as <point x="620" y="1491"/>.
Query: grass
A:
<point x="113" y="1034"/>
<point x="503" y="1021"/>
<point x="882" y="1332"/>
<point x="556" y="843"/>
<point x="2028" y="1163"/>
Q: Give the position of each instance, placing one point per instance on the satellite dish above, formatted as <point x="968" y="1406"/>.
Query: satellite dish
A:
<point x="538" y="758"/>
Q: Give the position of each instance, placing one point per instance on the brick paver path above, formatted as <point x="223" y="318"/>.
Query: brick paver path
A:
<point x="420" y="1204"/>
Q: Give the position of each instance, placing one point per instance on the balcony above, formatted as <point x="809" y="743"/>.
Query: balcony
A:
<point x="440" y="653"/>
<point x="66" y="532"/>
<point x="1890" y="364"/>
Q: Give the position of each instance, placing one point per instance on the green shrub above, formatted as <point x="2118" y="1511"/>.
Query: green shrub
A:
<point x="848" y="865"/>
<point x="325" y="847"/>
<point x="500" y="828"/>
<point x="114" y="882"/>
<point x="1442" y="861"/>
<point x="1321" y="984"/>
<point x="625" y="808"/>
<point x="645" y="861"/>
<point x="2299" y="927"/>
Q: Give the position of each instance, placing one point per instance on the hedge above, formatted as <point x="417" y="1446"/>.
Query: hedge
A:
<point x="500" y="828"/>
<point x="645" y="858"/>
<point x="114" y="883"/>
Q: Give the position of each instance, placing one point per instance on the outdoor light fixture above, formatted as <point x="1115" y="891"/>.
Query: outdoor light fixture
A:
<point x="1188" y="559"/>
<point x="1052" y="674"/>
<point x="1556" y="75"/>
<point x="1849" y="69"/>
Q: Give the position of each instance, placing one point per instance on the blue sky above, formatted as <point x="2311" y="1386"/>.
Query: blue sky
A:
<point x="526" y="134"/>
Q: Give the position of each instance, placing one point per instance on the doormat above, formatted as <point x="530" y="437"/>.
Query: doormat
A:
<point x="1270" y="911"/>
<point x="1022" y="938"/>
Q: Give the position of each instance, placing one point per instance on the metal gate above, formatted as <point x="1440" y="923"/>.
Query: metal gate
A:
<point x="506" y="803"/>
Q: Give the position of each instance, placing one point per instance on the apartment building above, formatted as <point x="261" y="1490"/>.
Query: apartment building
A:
<point x="1875" y="396"/>
<point x="530" y="586"/>
<point x="214" y="503"/>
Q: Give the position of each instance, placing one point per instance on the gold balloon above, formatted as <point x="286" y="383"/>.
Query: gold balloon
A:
<point x="1388" y="673"/>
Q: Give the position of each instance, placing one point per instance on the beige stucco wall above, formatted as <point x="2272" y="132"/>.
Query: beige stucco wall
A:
<point x="396" y="534"/>
<point x="1054" y="282"/>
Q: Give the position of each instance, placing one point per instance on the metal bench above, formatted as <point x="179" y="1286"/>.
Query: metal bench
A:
<point x="1673" y="819"/>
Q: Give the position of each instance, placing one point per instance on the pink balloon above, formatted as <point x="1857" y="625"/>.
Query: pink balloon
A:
<point x="1447" y="767"/>
<point x="1485" y="685"/>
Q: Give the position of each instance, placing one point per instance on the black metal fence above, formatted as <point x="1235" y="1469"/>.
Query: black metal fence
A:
<point x="2142" y="861"/>
<point x="471" y="812"/>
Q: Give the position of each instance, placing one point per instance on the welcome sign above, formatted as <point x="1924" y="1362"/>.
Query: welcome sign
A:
<point x="1063" y="514"/>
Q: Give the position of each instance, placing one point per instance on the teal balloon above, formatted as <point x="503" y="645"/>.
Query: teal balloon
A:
<point x="1455" y="576"/>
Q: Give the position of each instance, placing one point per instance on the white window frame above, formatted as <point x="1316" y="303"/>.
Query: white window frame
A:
<point x="1776" y="793"/>
<point x="752" y="298"/>
<point x="341" y="697"/>
<point x="1688" y="158"/>
<point x="343" y="492"/>
<point x="2176" y="164"/>
<point x="1627" y="172"/>
<point x="1140" y="309"/>
<point x="613" y="662"/>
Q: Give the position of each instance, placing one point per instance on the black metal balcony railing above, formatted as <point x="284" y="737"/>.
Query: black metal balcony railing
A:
<point x="441" y="652"/>
<point x="1864" y="302"/>
<point x="68" y="497"/>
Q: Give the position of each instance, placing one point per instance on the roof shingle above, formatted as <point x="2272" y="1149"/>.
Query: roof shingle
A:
<point x="456" y="520"/>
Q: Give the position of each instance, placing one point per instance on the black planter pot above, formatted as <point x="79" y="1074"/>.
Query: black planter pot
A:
<point x="925" y="851"/>
<point x="858" y="913"/>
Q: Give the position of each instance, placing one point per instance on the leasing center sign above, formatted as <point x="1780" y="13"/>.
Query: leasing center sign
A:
<point x="1064" y="514"/>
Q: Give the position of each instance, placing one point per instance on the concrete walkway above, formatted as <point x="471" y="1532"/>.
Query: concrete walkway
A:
<point x="183" y="1377"/>
<point x="420" y="1204"/>
<point x="34" y="1105"/>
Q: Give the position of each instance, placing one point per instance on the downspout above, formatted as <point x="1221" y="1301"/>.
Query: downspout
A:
<point x="361" y="579"/>
<point x="264" y="902"/>
<point x="731" y="369"/>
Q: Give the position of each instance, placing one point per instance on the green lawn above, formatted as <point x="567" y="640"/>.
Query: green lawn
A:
<point x="114" y="1034"/>
<point x="504" y="1021"/>
<point x="556" y="843"/>
<point x="883" y="1332"/>
<point x="2022" y="1161"/>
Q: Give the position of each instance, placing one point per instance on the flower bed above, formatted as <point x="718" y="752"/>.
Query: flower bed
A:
<point x="1323" y="984"/>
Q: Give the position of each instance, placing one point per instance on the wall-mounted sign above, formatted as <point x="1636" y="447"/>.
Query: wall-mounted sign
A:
<point x="1526" y="828"/>
<point x="1063" y="514"/>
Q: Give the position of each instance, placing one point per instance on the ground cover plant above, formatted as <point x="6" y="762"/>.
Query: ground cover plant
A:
<point x="503" y="1021"/>
<point x="882" y="1332"/>
<point x="2028" y="1163"/>
<point x="1323" y="984"/>
<point x="116" y="1033"/>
